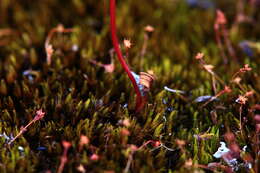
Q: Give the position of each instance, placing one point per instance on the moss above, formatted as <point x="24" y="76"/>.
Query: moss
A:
<point x="80" y="98"/>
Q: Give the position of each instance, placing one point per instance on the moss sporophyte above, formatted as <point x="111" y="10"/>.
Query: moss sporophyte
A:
<point x="140" y="100"/>
<point x="39" y="115"/>
<point x="202" y="114"/>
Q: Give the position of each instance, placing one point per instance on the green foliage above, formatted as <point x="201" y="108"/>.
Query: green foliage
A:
<point x="80" y="98"/>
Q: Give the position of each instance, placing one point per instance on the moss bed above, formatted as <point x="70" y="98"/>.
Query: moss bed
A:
<point x="90" y="123"/>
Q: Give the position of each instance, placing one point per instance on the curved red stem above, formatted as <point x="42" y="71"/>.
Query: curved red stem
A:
<point x="139" y="104"/>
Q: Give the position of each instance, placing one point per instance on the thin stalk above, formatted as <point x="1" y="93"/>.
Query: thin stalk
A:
<point x="220" y="45"/>
<point x="21" y="132"/>
<point x="129" y="161"/>
<point x="120" y="56"/>
<point x="228" y="43"/>
<point x="240" y="120"/>
<point x="144" y="48"/>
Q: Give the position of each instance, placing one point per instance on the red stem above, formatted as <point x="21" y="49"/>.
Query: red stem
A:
<point x="120" y="56"/>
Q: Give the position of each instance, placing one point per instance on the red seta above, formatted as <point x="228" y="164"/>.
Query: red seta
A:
<point x="139" y="99"/>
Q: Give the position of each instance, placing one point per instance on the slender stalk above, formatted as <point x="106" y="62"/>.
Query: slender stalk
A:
<point x="228" y="43"/>
<point x="21" y="132"/>
<point x="39" y="115"/>
<point x="240" y="120"/>
<point x="220" y="45"/>
<point x="225" y="90"/>
<point x="144" y="47"/>
<point x="64" y="158"/>
<point x="129" y="161"/>
<point x="120" y="56"/>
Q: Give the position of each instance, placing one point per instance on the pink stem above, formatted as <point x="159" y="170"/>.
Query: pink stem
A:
<point x="120" y="56"/>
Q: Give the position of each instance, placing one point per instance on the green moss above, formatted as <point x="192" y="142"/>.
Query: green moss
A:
<point x="80" y="98"/>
